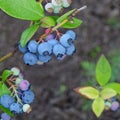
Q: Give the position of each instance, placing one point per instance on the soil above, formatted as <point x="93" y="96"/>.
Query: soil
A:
<point x="51" y="103"/>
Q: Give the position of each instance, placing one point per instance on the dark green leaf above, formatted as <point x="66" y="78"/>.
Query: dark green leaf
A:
<point x="4" y="89"/>
<point x="22" y="9"/>
<point x="27" y="34"/>
<point x="115" y="86"/>
<point x="6" y="111"/>
<point x="72" y="24"/>
<point x="6" y="74"/>
<point x="47" y="22"/>
<point x="63" y="17"/>
<point x="103" y="71"/>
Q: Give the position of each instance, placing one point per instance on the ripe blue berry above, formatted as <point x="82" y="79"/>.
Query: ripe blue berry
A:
<point x="70" y="50"/>
<point x="28" y="97"/>
<point x="53" y="42"/>
<point x="32" y="46"/>
<point x="6" y="101"/>
<point x="5" y="116"/>
<point x="66" y="40"/>
<point x="30" y="58"/>
<point x="22" y="49"/>
<point x="45" y="59"/>
<point x="59" y="51"/>
<point x="115" y="105"/>
<point x="24" y="85"/>
<point x="72" y="34"/>
<point x="49" y="37"/>
<point x="45" y="49"/>
<point x="16" y="108"/>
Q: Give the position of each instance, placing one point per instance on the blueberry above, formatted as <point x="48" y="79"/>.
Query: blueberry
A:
<point x="58" y="9"/>
<point x="16" y="108"/>
<point x="115" y="105"/>
<point x="28" y="97"/>
<point x="59" y="51"/>
<point x="72" y="34"/>
<point x="49" y="7"/>
<point x="49" y="37"/>
<point x="16" y="71"/>
<point x="22" y="49"/>
<point x="45" y="49"/>
<point x="57" y="3"/>
<point x="30" y="58"/>
<point x="6" y="101"/>
<point x="45" y="59"/>
<point x="70" y="50"/>
<point x="24" y="85"/>
<point x="66" y="40"/>
<point x="32" y="46"/>
<point x="66" y="3"/>
<point x="5" y="116"/>
<point x="26" y="108"/>
<point x="53" y="42"/>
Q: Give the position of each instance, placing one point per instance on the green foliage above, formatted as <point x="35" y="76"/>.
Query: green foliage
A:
<point x="63" y="88"/>
<point x="94" y="51"/>
<point x="98" y="106"/>
<point x="6" y="74"/>
<point x="23" y="9"/>
<point x="72" y="24"/>
<point x="6" y="111"/>
<point x="65" y="16"/>
<point x="103" y="71"/>
<point x="114" y="22"/>
<point x="107" y="89"/>
<point x="47" y="22"/>
<point x="115" y="86"/>
<point x="4" y="89"/>
<point x="27" y="34"/>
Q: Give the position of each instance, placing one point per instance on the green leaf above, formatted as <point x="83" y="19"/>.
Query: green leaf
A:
<point x="107" y="93"/>
<point x="27" y="34"/>
<point x="72" y="24"/>
<point x="22" y="9"/>
<point x="4" y="89"/>
<point x="63" y="17"/>
<point x="6" y="110"/>
<point x="6" y="74"/>
<point x="115" y="86"/>
<point x="47" y="22"/>
<point x="89" y="92"/>
<point x="103" y="71"/>
<point x="98" y="106"/>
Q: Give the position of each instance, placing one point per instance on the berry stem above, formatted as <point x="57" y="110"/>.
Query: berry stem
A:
<point x="5" y="57"/>
<point x="64" y="21"/>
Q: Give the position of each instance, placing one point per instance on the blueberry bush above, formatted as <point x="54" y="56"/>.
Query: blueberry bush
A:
<point x="16" y="95"/>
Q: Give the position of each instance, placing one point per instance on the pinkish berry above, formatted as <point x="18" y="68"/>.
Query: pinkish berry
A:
<point x="115" y="106"/>
<point x="47" y="31"/>
<point x="24" y="85"/>
<point x="49" y="37"/>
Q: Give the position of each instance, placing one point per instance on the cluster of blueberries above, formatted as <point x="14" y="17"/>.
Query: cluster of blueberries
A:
<point x="56" y="6"/>
<point x="21" y="95"/>
<point x="35" y="53"/>
<point x="112" y="104"/>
